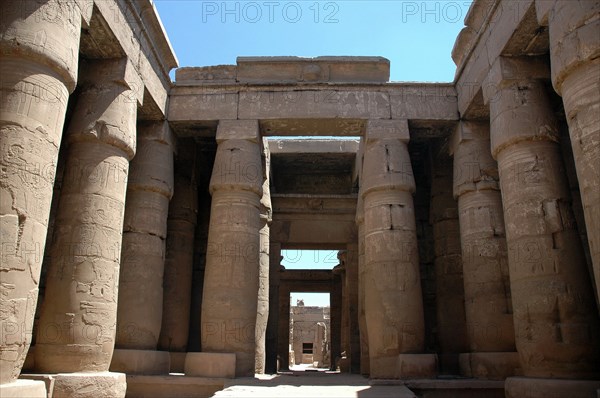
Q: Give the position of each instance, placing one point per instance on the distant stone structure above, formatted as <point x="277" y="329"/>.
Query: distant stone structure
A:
<point x="151" y="214"/>
<point x="309" y="329"/>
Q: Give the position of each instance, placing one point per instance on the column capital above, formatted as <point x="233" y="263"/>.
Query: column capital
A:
<point x="238" y="130"/>
<point x="467" y="130"/>
<point x="118" y="70"/>
<point x="387" y="129"/>
<point x="507" y="71"/>
<point x="158" y="131"/>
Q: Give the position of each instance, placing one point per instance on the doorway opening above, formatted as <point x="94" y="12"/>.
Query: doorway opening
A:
<point x="310" y="332"/>
<point x="309" y="259"/>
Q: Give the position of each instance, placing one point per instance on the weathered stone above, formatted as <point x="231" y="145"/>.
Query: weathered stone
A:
<point x="78" y="319"/>
<point x="39" y="70"/>
<point x="552" y="296"/>
<point x="207" y="364"/>
<point x="233" y="258"/>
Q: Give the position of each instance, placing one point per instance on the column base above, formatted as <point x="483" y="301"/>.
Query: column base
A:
<point x="490" y="365"/>
<point x="23" y="388"/>
<point x="141" y="362"/>
<point x="529" y="387"/>
<point x="404" y="366"/>
<point x="210" y="364"/>
<point x="80" y="384"/>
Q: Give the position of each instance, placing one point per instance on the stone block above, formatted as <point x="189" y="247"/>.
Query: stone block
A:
<point x="417" y="366"/>
<point x="23" y="388"/>
<point x="313" y="70"/>
<point x="141" y="362"/>
<point x="424" y="102"/>
<point x="139" y="386"/>
<point x="202" y="106"/>
<point x="323" y="103"/>
<point x="206" y="74"/>
<point x="528" y="387"/>
<point x="89" y="385"/>
<point x="388" y="129"/>
<point x="238" y="130"/>
<point x="490" y="365"/>
<point x="210" y="364"/>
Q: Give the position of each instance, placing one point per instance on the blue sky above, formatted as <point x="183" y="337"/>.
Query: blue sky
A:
<point x="416" y="36"/>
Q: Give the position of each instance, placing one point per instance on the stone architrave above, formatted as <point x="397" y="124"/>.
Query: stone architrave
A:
<point x="556" y="322"/>
<point x="575" y="61"/>
<point x="78" y="318"/>
<point x="139" y="313"/>
<point x="231" y="279"/>
<point x="488" y="304"/>
<point x="393" y="300"/>
<point x="39" y="46"/>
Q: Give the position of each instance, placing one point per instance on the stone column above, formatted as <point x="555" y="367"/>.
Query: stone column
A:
<point x="177" y="280"/>
<point x="574" y="49"/>
<point x="140" y="309"/>
<point x="352" y="297"/>
<point x="262" y="311"/>
<point x="335" y="316"/>
<point x="78" y="319"/>
<point x="284" y="329"/>
<point x="488" y="302"/>
<point x="339" y="271"/>
<point x="362" y="321"/>
<point x="232" y="262"/>
<point x="393" y="300"/>
<point x="273" y="321"/>
<point x="556" y="322"/>
<point x="449" y="288"/>
<point x="40" y="46"/>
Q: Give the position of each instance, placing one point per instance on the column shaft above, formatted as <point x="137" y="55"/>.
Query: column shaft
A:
<point x="78" y="318"/>
<point x="181" y="225"/>
<point x="283" y="346"/>
<point x="393" y="300"/>
<point x="352" y="286"/>
<point x="574" y="48"/>
<point x="262" y="311"/>
<point x="556" y="323"/>
<point x="231" y="278"/>
<point x="362" y="321"/>
<point x="450" y="295"/>
<point x="488" y="302"/>
<point x="39" y="45"/>
<point x="273" y="321"/>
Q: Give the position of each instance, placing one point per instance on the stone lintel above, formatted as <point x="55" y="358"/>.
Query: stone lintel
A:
<point x="318" y="69"/>
<point x="119" y="70"/>
<point x="238" y="130"/>
<point x="387" y="129"/>
<point x="313" y="146"/>
<point x="468" y="130"/>
<point x="507" y="70"/>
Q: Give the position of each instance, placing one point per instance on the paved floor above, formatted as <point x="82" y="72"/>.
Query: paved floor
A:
<point x="310" y="384"/>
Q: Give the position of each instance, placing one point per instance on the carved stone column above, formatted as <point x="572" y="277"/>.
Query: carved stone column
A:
<point x="488" y="302"/>
<point x="393" y="300"/>
<point x="262" y="312"/>
<point x="272" y="342"/>
<point x="40" y="46"/>
<point x="283" y="343"/>
<point x="556" y="322"/>
<point x="232" y="263"/>
<point x="78" y="319"/>
<point x="352" y="297"/>
<point x="362" y="321"/>
<point x="449" y="288"/>
<point x="139" y="314"/>
<point x="574" y="50"/>
<point x="335" y="316"/>
<point x="177" y="279"/>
